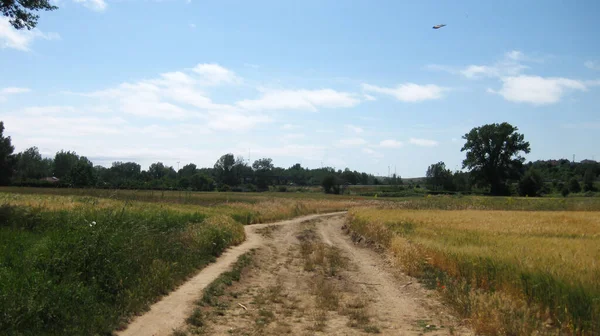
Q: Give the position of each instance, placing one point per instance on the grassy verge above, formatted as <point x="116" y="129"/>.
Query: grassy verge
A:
<point x="84" y="271"/>
<point x="510" y="272"/>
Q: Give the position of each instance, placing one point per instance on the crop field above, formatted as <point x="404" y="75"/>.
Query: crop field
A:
<point x="85" y="261"/>
<point x="81" y="265"/>
<point x="509" y="272"/>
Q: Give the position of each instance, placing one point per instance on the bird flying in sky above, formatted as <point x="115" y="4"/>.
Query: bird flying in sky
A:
<point x="439" y="26"/>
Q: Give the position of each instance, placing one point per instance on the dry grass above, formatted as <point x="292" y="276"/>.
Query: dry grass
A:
<point x="533" y="266"/>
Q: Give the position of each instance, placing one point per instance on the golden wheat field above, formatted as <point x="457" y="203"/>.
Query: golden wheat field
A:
<point x="545" y="261"/>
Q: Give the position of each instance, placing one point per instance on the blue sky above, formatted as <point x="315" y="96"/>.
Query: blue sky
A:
<point x="359" y="84"/>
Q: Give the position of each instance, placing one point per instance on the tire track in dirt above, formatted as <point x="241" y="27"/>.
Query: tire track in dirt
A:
<point x="171" y="311"/>
<point x="293" y="289"/>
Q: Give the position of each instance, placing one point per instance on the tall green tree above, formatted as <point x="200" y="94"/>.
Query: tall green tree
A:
<point x="29" y="164"/>
<point x="187" y="171"/>
<point x="493" y="154"/>
<point x="82" y="174"/>
<point x="21" y="13"/>
<point x="6" y="157"/>
<point x="228" y="170"/>
<point x="64" y="162"/>
<point x="574" y="185"/>
<point x="263" y="169"/>
<point x="439" y="177"/>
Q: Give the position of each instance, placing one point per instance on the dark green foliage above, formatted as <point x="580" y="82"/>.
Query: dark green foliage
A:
<point x="21" y="13"/>
<point x="565" y="191"/>
<point x="531" y="183"/>
<point x="439" y="178"/>
<point x="588" y="180"/>
<point x="331" y="185"/>
<point x="263" y="172"/>
<point x="574" y="185"/>
<point x="81" y="272"/>
<point x="493" y="154"/>
<point x="6" y="157"/>
<point x="64" y="163"/>
<point x="29" y="164"/>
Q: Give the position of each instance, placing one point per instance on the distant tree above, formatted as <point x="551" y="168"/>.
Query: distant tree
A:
<point x="493" y="154"/>
<point x="29" y="164"/>
<point x="82" y="173"/>
<point x="438" y="177"/>
<point x="461" y="181"/>
<point x="262" y="170"/>
<point x="531" y="183"/>
<point x="187" y="171"/>
<point x="6" y="157"/>
<point x="64" y="162"/>
<point x="20" y="12"/>
<point x="183" y="183"/>
<point x="588" y="180"/>
<point x="349" y="177"/>
<point x="574" y="186"/>
<point x="225" y="170"/>
<point x="331" y="184"/>
<point x="158" y="170"/>
<point x="201" y="182"/>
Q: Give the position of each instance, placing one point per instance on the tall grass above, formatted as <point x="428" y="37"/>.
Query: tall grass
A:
<point x="81" y="265"/>
<point x="511" y="272"/>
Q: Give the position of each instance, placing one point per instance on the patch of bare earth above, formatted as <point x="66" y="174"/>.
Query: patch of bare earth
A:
<point x="309" y="278"/>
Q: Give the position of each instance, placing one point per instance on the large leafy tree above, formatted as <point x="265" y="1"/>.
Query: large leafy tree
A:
<point x="262" y="170"/>
<point x="6" y="157"/>
<point x="21" y="12"/>
<point x="64" y="162"/>
<point x="31" y="165"/>
<point x="439" y="177"/>
<point x="493" y="154"/>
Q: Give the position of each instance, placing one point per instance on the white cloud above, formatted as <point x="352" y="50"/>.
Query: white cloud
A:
<point x="409" y="92"/>
<point x="351" y="142"/>
<point x="289" y="127"/>
<point x="369" y="97"/>
<point x="509" y="65"/>
<point x="95" y="5"/>
<point x="372" y="153"/>
<point x="310" y="100"/>
<point x="354" y="129"/>
<point x="423" y="142"/>
<point x="4" y="93"/>
<point x="214" y="74"/>
<point x="391" y="143"/>
<point x="592" y="65"/>
<point x="537" y="90"/>
<point x="14" y="90"/>
<point x="21" y="39"/>
<point x="290" y="136"/>
<point x="234" y="121"/>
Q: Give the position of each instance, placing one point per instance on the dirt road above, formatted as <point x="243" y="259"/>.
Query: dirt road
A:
<point x="307" y="278"/>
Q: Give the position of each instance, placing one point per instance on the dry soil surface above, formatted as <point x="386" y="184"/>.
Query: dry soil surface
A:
<point x="307" y="278"/>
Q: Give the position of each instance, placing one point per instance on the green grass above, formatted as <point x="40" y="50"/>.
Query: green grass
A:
<point x="210" y="295"/>
<point x="83" y="271"/>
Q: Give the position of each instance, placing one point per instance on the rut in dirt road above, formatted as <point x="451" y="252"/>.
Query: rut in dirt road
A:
<point x="308" y="278"/>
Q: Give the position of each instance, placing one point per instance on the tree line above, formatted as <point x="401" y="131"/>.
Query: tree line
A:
<point x="494" y="163"/>
<point x="68" y="169"/>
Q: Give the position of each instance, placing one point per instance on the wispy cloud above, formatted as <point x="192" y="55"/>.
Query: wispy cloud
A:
<point x="21" y="39"/>
<point x="509" y="65"/>
<point x="592" y="65"/>
<point x="537" y="90"/>
<point x="409" y="92"/>
<point x="308" y="100"/>
<point x="5" y="92"/>
<point x="95" y="5"/>
<point x="351" y="142"/>
<point x="391" y="143"/>
<point x="423" y="142"/>
<point x="372" y="153"/>
<point x="354" y="129"/>
<point x="214" y="74"/>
